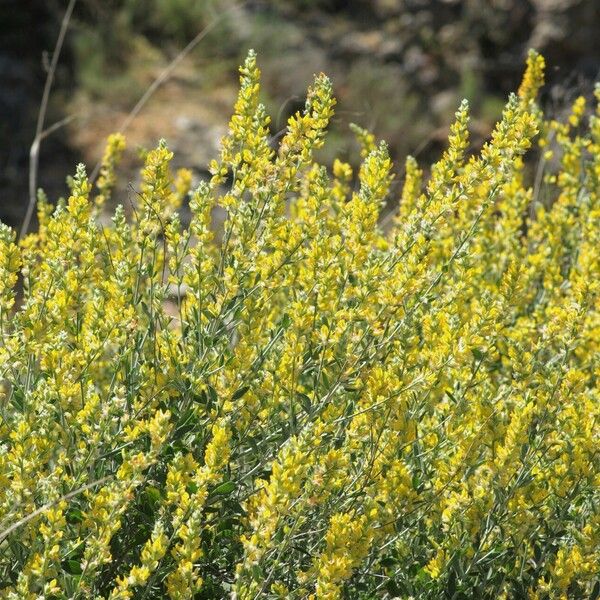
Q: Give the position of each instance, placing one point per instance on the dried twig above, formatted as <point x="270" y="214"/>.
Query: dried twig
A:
<point x="34" y="152"/>
<point x="4" y="534"/>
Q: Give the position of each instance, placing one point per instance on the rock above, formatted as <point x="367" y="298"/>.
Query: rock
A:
<point x="385" y="9"/>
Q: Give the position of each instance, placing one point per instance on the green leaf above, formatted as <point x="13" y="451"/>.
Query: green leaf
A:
<point x="152" y="494"/>
<point x="478" y="354"/>
<point x="212" y="396"/>
<point x="240" y="392"/>
<point x="227" y="533"/>
<point x="72" y="567"/>
<point x="305" y="401"/>
<point x="74" y="515"/>
<point x="225" y="488"/>
<point x="393" y="588"/>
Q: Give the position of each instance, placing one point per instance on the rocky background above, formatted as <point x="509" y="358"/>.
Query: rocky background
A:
<point x="399" y="67"/>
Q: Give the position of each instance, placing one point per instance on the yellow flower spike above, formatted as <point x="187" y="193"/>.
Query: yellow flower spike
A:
<point x="182" y="185"/>
<point x="10" y="262"/>
<point x="436" y="564"/>
<point x="115" y="146"/>
<point x="305" y="131"/>
<point x="218" y="450"/>
<point x="411" y="190"/>
<point x="152" y="553"/>
<point x="533" y="79"/>
<point x="577" y="111"/>
<point x="365" y="139"/>
<point x="347" y="543"/>
<point x="443" y="172"/>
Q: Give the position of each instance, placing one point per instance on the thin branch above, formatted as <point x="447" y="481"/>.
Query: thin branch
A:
<point x="4" y="534"/>
<point x="58" y="125"/>
<point x="34" y="152"/>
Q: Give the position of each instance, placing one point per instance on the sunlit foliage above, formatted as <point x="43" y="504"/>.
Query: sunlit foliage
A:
<point x="313" y="402"/>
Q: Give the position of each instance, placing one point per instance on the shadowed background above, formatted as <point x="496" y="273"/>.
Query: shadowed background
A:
<point x="399" y="68"/>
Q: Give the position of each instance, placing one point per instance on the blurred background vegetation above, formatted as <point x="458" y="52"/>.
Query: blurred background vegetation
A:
<point x="399" y="68"/>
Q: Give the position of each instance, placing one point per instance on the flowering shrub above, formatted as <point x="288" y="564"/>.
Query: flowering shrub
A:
<point x="308" y="404"/>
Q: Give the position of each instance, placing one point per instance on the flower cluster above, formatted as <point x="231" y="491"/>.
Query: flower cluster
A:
<point x="312" y="400"/>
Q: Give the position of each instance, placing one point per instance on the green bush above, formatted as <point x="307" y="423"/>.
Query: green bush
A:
<point x="310" y="405"/>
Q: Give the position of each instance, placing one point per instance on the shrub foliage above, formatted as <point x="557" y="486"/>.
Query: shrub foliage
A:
<point x="310" y="402"/>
